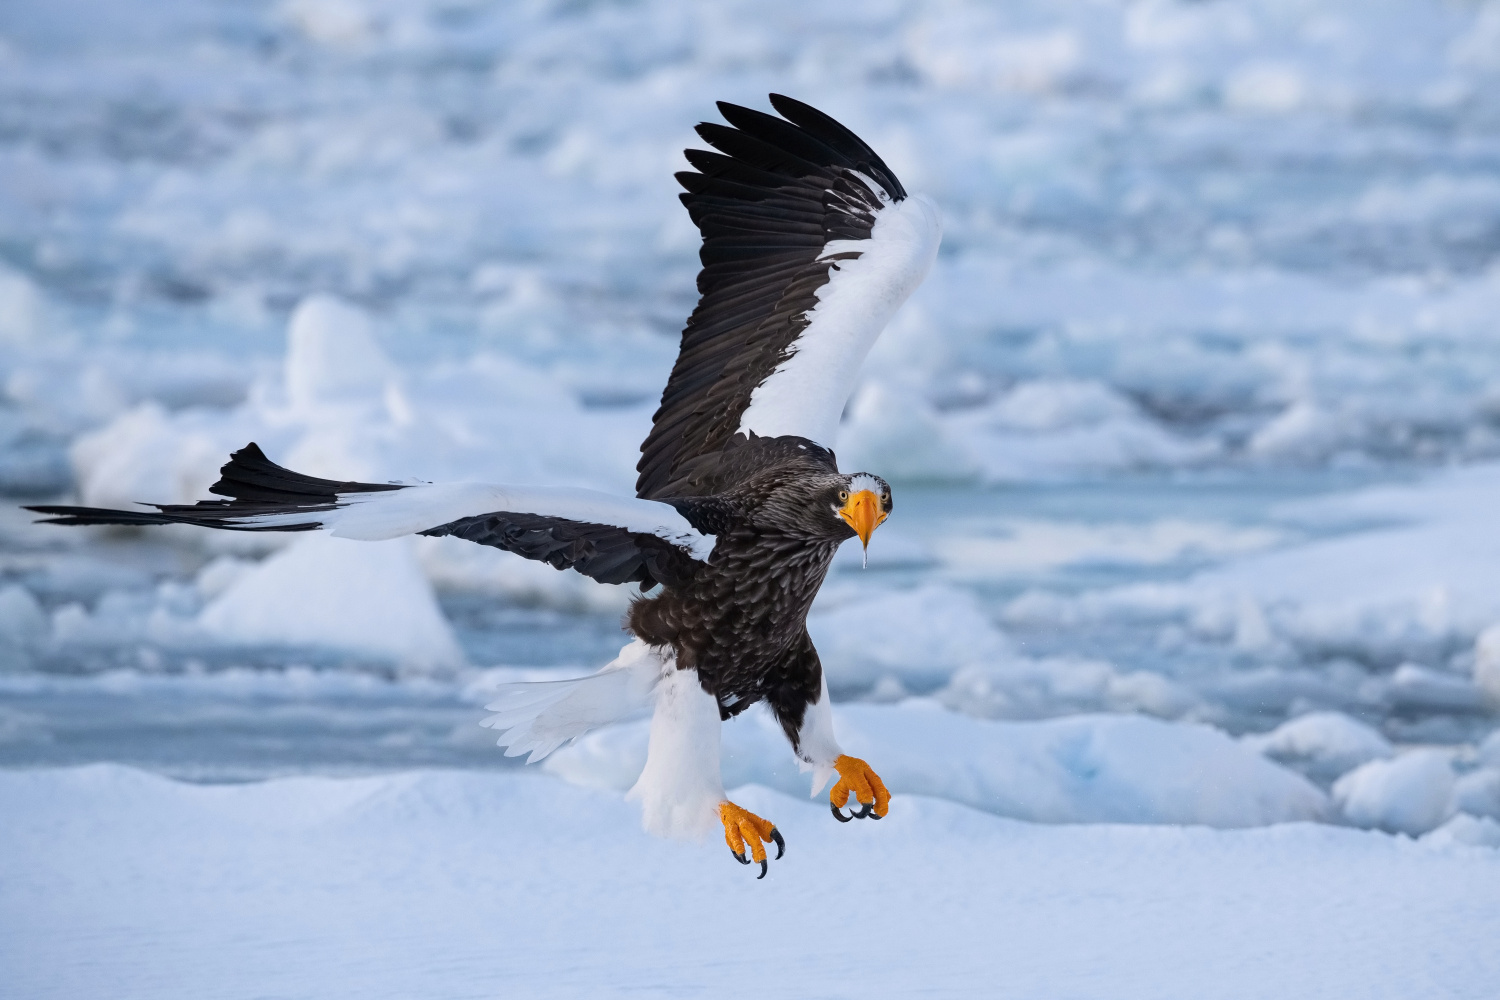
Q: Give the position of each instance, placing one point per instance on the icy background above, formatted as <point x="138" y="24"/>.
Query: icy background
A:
<point x="1195" y="427"/>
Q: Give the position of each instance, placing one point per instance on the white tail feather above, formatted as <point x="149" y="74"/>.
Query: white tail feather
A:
<point x="537" y="717"/>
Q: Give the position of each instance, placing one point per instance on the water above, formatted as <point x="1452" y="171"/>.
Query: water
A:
<point x="1202" y="263"/>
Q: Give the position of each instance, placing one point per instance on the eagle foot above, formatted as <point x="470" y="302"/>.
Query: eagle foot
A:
<point x="858" y="779"/>
<point x="742" y="827"/>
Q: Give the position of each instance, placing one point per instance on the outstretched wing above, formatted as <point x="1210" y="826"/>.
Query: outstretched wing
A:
<point x="810" y="244"/>
<point x="612" y="539"/>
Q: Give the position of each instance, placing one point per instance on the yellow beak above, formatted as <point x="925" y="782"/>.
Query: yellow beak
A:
<point x="863" y="514"/>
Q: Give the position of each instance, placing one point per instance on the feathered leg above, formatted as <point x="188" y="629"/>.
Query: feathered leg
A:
<point x="681" y="789"/>
<point x="819" y="752"/>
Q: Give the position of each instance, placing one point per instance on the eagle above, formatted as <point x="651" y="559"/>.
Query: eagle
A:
<point x="810" y="245"/>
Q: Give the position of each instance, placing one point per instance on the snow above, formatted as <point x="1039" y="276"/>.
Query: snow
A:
<point x="1412" y="793"/>
<point x="22" y="625"/>
<point x="457" y="565"/>
<point x="370" y="597"/>
<point x="1328" y="744"/>
<point x="1081" y="769"/>
<point x="921" y="634"/>
<point x="332" y="356"/>
<point x="1478" y="793"/>
<point x="1376" y="595"/>
<point x="22" y="308"/>
<point x="1465" y="829"/>
<point x="1487" y="663"/>
<point x="467" y="884"/>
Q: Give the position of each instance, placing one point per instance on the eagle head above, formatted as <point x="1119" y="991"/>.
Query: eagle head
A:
<point x="862" y="502"/>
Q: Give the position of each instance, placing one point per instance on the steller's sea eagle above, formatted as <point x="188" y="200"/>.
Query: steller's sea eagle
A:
<point x="810" y="244"/>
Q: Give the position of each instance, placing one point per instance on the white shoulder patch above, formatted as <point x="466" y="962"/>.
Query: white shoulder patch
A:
<point x="806" y="394"/>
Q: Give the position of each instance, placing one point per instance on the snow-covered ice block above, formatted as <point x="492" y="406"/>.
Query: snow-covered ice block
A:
<point x="895" y="430"/>
<point x="24" y="314"/>
<point x="1471" y="831"/>
<point x="1487" y="664"/>
<point x="332" y="356"/>
<point x="923" y="634"/>
<point x="1082" y="769"/>
<point x="1434" y="570"/>
<point x="1478" y="793"/>
<point x="1424" y="689"/>
<point x="364" y="597"/>
<point x="23" y="625"/>
<point x="21" y="616"/>
<point x="456" y="564"/>
<point x="1020" y="687"/>
<point x="1489" y="749"/>
<point x="1412" y="793"/>
<point x="1325" y="744"/>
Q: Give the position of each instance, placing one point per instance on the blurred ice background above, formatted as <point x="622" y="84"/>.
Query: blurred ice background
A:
<point x="1195" y="427"/>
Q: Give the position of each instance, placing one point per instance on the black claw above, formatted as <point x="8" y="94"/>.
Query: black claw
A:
<point x="780" y="844"/>
<point x="865" y="809"/>
<point x="762" y="870"/>
<point x="874" y="815"/>
<point x="739" y="857"/>
<point x="838" y="815"/>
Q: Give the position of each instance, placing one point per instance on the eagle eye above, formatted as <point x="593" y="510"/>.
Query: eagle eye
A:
<point x="843" y="495"/>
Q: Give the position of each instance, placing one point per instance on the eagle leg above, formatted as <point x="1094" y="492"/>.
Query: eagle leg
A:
<point x="741" y="827"/>
<point x="857" y="778"/>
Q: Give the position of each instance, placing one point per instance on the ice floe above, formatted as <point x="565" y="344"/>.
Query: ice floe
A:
<point x="1412" y="793"/>
<point x="1326" y="744"/>
<point x="367" y="597"/>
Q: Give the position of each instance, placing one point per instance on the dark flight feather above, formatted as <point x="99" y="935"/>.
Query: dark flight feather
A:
<point x="257" y="486"/>
<point x="776" y="193"/>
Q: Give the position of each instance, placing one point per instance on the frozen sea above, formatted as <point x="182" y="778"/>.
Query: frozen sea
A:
<point x="1194" y="431"/>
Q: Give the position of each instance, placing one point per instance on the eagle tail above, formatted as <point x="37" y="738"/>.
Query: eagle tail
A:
<point x="537" y="717"/>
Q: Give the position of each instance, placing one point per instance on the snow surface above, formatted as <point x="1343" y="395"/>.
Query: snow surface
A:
<point x="463" y="884"/>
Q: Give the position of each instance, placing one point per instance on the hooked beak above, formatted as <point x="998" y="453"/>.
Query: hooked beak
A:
<point x="862" y="513"/>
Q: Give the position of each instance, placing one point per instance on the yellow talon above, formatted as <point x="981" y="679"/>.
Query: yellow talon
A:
<point x="741" y="827"/>
<point x="857" y="778"/>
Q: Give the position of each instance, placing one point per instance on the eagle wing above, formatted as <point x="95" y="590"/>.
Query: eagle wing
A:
<point x="810" y="244"/>
<point x="610" y="538"/>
